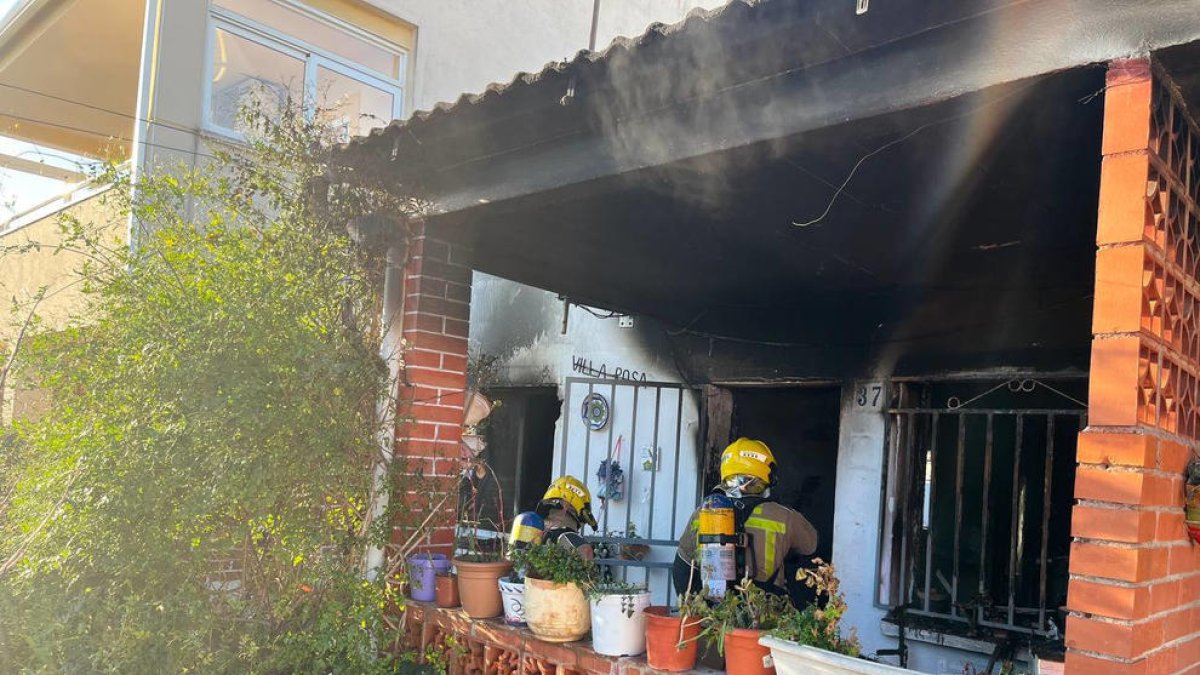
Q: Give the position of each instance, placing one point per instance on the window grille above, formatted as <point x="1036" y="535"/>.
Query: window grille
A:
<point x="978" y="494"/>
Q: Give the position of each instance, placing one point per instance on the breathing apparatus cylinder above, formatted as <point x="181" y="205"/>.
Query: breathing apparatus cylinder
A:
<point x="717" y="540"/>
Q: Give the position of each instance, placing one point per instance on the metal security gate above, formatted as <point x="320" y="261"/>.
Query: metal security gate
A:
<point x="649" y="429"/>
<point x="979" y="490"/>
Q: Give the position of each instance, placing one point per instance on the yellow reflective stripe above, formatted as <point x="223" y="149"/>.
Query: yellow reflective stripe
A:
<point x="767" y="527"/>
<point x="696" y="532"/>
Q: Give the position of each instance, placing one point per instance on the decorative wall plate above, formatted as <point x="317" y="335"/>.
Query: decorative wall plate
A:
<point x="595" y="411"/>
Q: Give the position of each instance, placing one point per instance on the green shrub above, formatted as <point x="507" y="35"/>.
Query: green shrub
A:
<point x="196" y="499"/>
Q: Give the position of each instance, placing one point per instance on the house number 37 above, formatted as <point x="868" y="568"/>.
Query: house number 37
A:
<point x="868" y="395"/>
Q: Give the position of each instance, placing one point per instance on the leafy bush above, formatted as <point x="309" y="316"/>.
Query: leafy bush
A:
<point x="198" y="499"/>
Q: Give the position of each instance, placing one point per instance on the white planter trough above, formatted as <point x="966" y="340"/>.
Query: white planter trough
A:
<point x="796" y="659"/>
<point x="618" y="624"/>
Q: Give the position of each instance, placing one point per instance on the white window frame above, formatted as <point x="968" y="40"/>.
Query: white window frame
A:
<point x="311" y="56"/>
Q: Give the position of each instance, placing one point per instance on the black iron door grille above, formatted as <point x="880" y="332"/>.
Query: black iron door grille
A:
<point x="978" y="497"/>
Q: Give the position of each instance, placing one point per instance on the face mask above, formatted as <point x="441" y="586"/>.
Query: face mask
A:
<point x="742" y="486"/>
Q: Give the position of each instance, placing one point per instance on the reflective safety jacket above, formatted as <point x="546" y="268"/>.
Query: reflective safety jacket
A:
<point x="776" y="534"/>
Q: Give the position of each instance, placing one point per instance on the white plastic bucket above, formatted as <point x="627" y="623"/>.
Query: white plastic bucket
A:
<point x="618" y="624"/>
<point x="513" y="595"/>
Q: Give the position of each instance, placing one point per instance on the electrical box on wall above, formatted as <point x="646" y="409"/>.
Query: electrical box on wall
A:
<point x="625" y="321"/>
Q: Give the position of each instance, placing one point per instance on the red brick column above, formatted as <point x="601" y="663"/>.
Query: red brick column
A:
<point x="437" y="306"/>
<point x="1135" y="576"/>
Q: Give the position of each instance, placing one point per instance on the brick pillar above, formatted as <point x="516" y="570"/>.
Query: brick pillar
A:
<point x="437" y="305"/>
<point x="1135" y="577"/>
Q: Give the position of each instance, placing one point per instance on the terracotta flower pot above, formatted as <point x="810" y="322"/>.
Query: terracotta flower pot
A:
<point x="556" y="612"/>
<point x="744" y="656"/>
<point x="662" y="640"/>
<point x="478" y="588"/>
<point x="446" y="590"/>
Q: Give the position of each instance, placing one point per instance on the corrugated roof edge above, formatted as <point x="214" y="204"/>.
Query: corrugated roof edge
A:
<point x="583" y="57"/>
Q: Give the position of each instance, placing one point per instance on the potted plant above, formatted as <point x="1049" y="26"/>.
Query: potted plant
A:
<point x="512" y="592"/>
<point x="478" y="588"/>
<point x="480" y="561"/>
<point x="555" y="578"/>
<point x="618" y="624"/>
<point x="1192" y="500"/>
<point x="672" y="635"/>
<point x="446" y="589"/>
<point x="735" y="623"/>
<point x="811" y="640"/>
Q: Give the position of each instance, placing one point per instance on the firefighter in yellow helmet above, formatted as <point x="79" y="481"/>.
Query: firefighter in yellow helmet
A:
<point x="775" y="534"/>
<point x="566" y="508"/>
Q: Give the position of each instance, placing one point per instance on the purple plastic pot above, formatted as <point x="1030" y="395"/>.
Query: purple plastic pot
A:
<point x="422" y="568"/>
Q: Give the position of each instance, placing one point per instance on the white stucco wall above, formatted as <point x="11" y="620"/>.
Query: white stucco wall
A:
<point x="856" y="517"/>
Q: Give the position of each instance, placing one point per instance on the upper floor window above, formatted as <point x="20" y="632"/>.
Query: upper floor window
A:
<point x="268" y="52"/>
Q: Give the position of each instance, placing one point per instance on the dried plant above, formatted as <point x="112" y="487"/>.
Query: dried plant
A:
<point x="817" y="625"/>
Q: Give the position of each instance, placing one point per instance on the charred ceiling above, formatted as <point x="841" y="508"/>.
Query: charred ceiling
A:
<point x="1181" y="65"/>
<point x="966" y="235"/>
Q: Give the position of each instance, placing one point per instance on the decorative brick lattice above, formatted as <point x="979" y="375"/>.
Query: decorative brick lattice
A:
<point x="1135" y="578"/>
<point x="500" y="661"/>
<point x="1170" y="355"/>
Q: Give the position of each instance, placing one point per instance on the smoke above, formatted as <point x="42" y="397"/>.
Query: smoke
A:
<point x="689" y="97"/>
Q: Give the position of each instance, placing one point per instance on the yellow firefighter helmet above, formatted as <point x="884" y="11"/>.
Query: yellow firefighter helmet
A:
<point x="572" y="493"/>
<point x="747" y="457"/>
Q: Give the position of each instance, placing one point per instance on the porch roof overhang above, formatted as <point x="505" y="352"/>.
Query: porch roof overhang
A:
<point x="676" y="174"/>
<point x="69" y="74"/>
